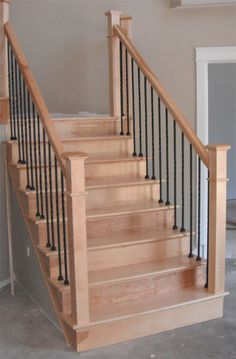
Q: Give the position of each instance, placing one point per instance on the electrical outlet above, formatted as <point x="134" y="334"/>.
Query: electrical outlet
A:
<point x="28" y="251"/>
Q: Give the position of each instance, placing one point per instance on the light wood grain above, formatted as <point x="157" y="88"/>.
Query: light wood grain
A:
<point x="4" y="110"/>
<point x="217" y="216"/>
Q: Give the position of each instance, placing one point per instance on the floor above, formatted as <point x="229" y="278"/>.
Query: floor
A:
<point x="26" y="333"/>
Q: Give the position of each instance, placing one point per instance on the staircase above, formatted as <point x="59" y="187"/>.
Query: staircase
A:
<point x="116" y="262"/>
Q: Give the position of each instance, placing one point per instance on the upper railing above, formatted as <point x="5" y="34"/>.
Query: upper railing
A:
<point x="172" y="151"/>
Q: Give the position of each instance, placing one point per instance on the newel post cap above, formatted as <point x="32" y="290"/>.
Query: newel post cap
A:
<point x="218" y="147"/>
<point x="74" y="154"/>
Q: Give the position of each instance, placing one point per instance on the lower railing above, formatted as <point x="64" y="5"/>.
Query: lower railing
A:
<point x="173" y="152"/>
<point x="51" y="175"/>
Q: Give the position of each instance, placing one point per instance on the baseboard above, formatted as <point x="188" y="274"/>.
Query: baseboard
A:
<point x="4" y="283"/>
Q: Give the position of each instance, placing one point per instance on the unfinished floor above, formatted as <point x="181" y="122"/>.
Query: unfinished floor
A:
<point x="26" y="333"/>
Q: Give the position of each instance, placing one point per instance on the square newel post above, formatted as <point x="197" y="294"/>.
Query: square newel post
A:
<point x="77" y="239"/>
<point x="114" y="63"/>
<point x="4" y="94"/>
<point x="217" y="216"/>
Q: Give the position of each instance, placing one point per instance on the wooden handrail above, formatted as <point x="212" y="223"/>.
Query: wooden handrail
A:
<point x="165" y="97"/>
<point x="47" y="123"/>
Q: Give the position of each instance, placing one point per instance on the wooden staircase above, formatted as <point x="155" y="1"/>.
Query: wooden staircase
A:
<point x="130" y="273"/>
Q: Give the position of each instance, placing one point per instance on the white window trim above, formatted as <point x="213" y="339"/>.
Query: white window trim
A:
<point x="204" y="57"/>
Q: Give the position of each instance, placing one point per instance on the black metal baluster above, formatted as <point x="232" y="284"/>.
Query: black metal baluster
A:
<point x="17" y="111"/>
<point x="26" y="135"/>
<point x="146" y="127"/>
<point x="21" y="116"/>
<point x="40" y="170"/>
<point x="13" y="95"/>
<point x="182" y="191"/>
<point x="199" y="212"/>
<point x="35" y="162"/>
<point x="133" y="103"/>
<point x="48" y="245"/>
<point x="160" y="145"/>
<point x="60" y="276"/>
<point x="127" y="92"/>
<point x="10" y="91"/>
<point x="191" y="201"/>
<point x="167" y="161"/>
<point x="175" y="177"/>
<point x="153" y="137"/>
<point x="66" y="281"/>
<point x="140" y="115"/>
<point x="121" y="91"/>
<point x="208" y="212"/>
<point x="53" y="247"/>
<point x="30" y="142"/>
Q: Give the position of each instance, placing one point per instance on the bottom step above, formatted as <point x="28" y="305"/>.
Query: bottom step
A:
<point x="117" y="323"/>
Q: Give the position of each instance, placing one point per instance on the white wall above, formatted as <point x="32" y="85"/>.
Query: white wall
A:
<point x="222" y="114"/>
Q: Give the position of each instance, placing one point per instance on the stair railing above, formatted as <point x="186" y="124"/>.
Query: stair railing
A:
<point x="173" y="152"/>
<point x="57" y="178"/>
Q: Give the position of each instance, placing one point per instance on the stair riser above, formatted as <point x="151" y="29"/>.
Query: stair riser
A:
<point x="139" y="253"/>
<point x="146" y="287"/>
<point x="20" y="177"/>
<point x="147" y="324"/>
<point x="121" y="194"/>
<point x="30" y="207"/>
<point x="119" y="168"/>
<point x="40" y="232"/>
<point x="72" y="128"/>
<point x="119" y="146"/>
<point x="113" y="224"/>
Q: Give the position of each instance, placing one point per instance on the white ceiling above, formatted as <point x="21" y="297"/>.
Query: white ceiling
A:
<point x="187" y="3"/>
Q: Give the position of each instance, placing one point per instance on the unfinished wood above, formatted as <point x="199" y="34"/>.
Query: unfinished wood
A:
<point x="87" y="126"/>
<point x="162" y="93"/>
<point x="143" y="280"/>
<point x="185" y="308"/>
<point x="41" y="107"/>
<point x="135" y="207"/>
<point x="4" y="110"/>
<point x="217" y="216"/>
<point x="117" y="145"/>
<point x="77" y="240"/>
<point x="113" y="18"/>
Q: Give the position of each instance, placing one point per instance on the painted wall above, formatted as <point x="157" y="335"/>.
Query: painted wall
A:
<point x="65" y="42"/>
<point x="222" y="114"/>
<point x="26" y="267"/>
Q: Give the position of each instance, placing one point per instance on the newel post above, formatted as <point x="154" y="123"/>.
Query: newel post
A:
<point x="217" y="216"/>
<point x="77" y="240"/>
<point x="4" y="100"/>
<point x="114" y="63"/>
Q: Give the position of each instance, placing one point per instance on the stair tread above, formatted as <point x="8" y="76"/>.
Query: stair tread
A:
<point x="87" y="119"/>
<point x="116" y="208"/>
<point x="139" y="270"/>
<point x="97" y="138"/>
<point x="93" y="158"/>
<point x="134" y="236"/>
<point x="156" y="302"/>
<point x="98" y="182"/>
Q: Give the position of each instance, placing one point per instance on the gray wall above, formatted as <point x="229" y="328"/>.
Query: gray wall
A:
<point x="222" y="114"/>
<point x="65" y="42"/>
<point x="26" y="267"/>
